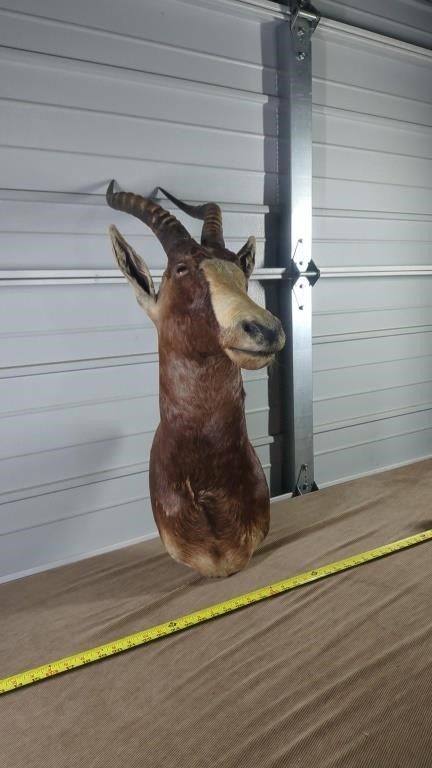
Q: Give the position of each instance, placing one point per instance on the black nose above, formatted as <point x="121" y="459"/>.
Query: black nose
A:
<point x="260" y="332"/>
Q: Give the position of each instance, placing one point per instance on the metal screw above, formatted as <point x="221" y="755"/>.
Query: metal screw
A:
<point x="301" y="56"/>
<point x="300" y="32"/>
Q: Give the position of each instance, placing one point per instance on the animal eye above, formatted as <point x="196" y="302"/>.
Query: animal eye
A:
<point x="181" y="269"/>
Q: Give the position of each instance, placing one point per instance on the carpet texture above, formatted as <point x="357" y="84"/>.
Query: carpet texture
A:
<point x="337" y="674"/>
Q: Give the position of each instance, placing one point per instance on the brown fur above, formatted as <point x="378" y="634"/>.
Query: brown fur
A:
<point x="208" y="490"/>
<point x="209" y="494"/>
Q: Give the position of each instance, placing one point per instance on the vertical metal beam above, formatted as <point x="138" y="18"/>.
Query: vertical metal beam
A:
<point x="295" y="174"/>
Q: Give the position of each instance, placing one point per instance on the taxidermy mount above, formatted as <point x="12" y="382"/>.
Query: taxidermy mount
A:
<point x="208" y="491"/>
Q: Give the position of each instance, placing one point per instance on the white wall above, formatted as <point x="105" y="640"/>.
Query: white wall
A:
<point x="408" y="20"/>
<point x="372" y="229"/>
<point x="178" y="94"/>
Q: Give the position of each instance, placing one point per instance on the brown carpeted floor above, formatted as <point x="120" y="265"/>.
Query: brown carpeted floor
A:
<point x="337" y="674"/>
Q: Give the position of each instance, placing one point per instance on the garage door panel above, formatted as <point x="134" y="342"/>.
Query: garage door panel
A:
<point x="76" y="85"/>
<point x="362" y="165"/>
<point x="75" y="425"/>
<point x="404" y="372"/>
<point x="364" y="100"/>
<point x="37" y="234"/>
<point x="378" y="401"/>
<point x="73" y="308"/>
<point x="371" y="321"/>
<point x="407" y="20"/>
<point x="52" y="465"/>
<point x="367" y="293"/>
<point x="358" y="454"/>
<point x="35" y="169"/>
<point x="158" y="55"/>
<point x="74" y="387"/>
<point x="364" y="196"/>
<point x="63" y="215"/>
<point x="337" y="227"/>
<point x="364" y="61"/>
<point x="349" y="352"/>
<point x="82" y="500"/>
<point x="84" y="132"/>
<point x="175" y="24"/>
<point x="35" y="548"/>
<point x="372" y="202"/>
<point x="343" y="129"/>
<point x="63" y="325"/>
<point x="369" y="253"/>
<point x="84" y="345"/>
<point x="92" y="251"/>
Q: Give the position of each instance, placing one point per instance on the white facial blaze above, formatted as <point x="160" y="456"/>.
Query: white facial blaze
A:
<point x="237" y="314"/>
<point x="228" y="293"/>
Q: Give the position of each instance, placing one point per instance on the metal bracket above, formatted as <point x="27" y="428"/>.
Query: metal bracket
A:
<point x="304" y="21"/>
<point x="304" y="483"/>
<point x="297" y="271"/>
<point x="311" y="273"/>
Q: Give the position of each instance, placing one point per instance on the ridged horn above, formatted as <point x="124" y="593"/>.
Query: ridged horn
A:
<point x="210" y="213"/>
<point x="165" y="226"/>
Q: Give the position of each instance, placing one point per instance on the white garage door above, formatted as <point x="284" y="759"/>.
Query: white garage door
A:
<point x="372" y="227"/>
<point x="151" y="92"/>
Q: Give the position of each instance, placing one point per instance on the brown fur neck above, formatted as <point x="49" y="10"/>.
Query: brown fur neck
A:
<point x="209" y="494"/>
<point x="202" y="395"/>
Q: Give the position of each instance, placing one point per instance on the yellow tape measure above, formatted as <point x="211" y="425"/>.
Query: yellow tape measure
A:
<point x="205" y="614"/>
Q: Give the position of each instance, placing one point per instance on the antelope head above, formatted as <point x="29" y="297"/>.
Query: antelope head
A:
<point x="202" y="307"/>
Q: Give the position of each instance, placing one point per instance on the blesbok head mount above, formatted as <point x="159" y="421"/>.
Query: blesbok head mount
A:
<point x="209" y="494"/>
<point x="202" y="300"/>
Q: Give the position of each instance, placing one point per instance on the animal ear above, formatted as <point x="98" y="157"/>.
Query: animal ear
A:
<point x="135" y="271"/>
<point x="246" y="255"/>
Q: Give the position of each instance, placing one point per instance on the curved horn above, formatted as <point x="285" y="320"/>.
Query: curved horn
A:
<point x="210" y="213"/>
<point x="165" y="226"/>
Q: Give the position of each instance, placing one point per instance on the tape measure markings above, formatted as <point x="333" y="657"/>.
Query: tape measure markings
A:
<point x="145" y="636"/>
